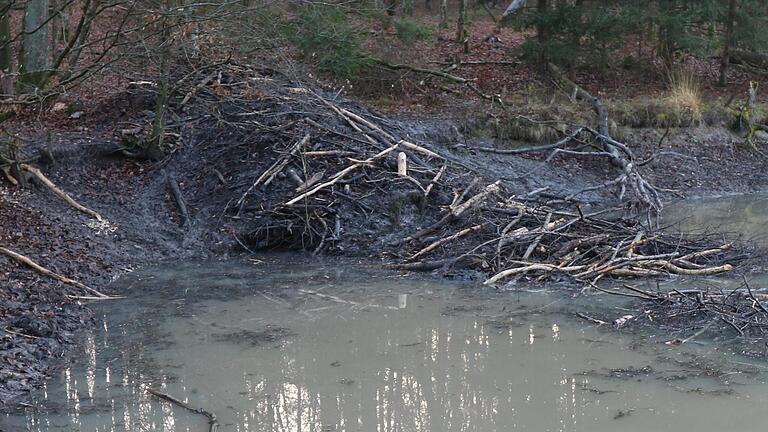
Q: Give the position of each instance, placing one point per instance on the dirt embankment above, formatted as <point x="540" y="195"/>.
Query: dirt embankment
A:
<point x="225" y="147"/>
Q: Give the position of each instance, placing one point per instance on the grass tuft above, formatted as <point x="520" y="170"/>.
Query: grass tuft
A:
<point x="684" y="96"/>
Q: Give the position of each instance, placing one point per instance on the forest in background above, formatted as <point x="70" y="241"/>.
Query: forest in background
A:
<point x="657" y="63"/>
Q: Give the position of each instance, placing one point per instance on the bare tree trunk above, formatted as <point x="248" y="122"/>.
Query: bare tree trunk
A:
<point x="462" y="35"/>
<point x="153" y="147"/>
<point x="542" y="36"/>
<point x="726" y="56"/>
<point x="443" y="13"/>
<point x="36" y="60"/>
<point x="6" y="66"/>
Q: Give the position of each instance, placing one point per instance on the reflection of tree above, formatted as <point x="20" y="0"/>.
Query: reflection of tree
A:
<point x="405" y="370"/>
<point x="446" y="383"/>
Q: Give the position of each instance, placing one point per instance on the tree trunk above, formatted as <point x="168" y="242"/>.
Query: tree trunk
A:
<point x="443" y="13"/>
<point x="36" y="60"/>
<point x="6" y="66"/>
<point x="461" y="28"/>
<point x="542" y="35"/>
<point x="153" y="148"/>
<point x="726" y="56"/>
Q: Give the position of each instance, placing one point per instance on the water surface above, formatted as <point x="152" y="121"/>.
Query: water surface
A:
<point x="734" y="215"/>
<point x="283" y="345"/>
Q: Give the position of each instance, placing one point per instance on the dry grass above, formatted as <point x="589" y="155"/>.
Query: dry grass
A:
<point x="681" y="106"/>
<point x="684" y="96"/>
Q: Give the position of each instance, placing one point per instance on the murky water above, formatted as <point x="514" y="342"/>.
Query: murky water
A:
<point x="737" y="215"/>
<point x="311" y="346"/>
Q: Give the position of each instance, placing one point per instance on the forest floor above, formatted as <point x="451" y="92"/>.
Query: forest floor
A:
<point x="215" y="163"/>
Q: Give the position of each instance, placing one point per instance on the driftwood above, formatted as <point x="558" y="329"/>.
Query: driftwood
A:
<point x="45" y="272"/>
<point x="646" y="196"/>
<point x="55" y="189"/>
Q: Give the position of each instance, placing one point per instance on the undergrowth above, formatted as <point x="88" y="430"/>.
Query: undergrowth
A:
<point x="409" y="30"/>
<point x="328" y="39"/>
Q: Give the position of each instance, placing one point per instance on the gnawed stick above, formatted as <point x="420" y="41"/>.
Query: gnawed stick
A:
<point x="197" y="88"/>
<point x="456" y="211"/>
<point x="274" y="169"/>
<point x="671" y="268"/>
<point x="528" y="268"/>
<point x="590" y="319"/>
<point x="434" y="180"/>
<point x="387" y="135"/>
<point x="213" y="423"/>
<point x="55" y="189"/>
<point x="45" y="272"/>
<point x="339" y="175"/>
<point x="442" y="241"/>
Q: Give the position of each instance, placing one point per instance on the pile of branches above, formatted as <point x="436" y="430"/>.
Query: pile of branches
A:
<point x="695" y="312"/>
<point x="307" y="169"/>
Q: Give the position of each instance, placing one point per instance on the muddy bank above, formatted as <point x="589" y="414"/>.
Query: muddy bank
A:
<point x="222" y="149"/>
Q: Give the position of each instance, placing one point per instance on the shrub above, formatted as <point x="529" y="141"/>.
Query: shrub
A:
<point x="325" y="36"/>
<point x="409" y="30"/>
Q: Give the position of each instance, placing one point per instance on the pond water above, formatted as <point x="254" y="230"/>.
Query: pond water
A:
<point x="739" y="215"/>
<point x="288" y="344"/>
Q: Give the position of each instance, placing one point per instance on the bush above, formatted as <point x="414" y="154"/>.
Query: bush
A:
<point x="325" y="36"/>
<point x="409" y="30"/>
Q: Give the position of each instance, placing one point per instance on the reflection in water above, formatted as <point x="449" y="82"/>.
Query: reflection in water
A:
<point x="358" y="353"/>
